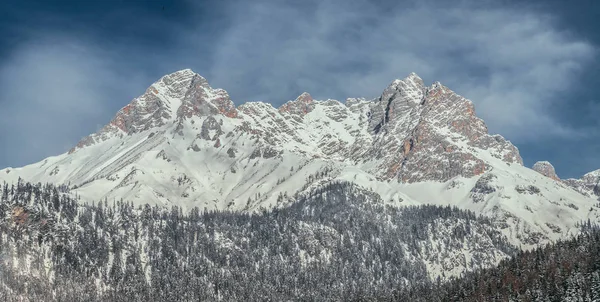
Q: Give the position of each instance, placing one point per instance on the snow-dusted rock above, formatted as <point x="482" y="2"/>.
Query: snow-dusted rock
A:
<point x="545" y="168"/>
<point x="588" y="185"/>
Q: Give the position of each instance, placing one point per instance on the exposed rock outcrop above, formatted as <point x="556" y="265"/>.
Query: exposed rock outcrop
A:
<point x="545" y="168"/>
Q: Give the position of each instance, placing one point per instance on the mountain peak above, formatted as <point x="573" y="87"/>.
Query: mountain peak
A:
<point x="422" y="123"/>
<point x="183" y="72"/>
<point x="302" y="105"/>
<point x="177" y="95"/>
<point x="545" y="168"/>
<point x="177" y="83"/>
<point x="411" y="81"/>
<point x="305" y="97"/>
<point x="413" y="76"/>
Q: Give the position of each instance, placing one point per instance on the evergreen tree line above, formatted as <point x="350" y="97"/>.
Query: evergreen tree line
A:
<point x="337" y="243"/>
<point x="565" y="271"/>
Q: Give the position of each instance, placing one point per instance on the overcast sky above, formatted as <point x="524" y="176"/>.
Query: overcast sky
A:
<point x="532" y="70"/>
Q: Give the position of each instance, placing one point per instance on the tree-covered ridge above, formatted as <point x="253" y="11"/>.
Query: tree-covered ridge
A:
<point x="335" y="243"/>
<point x="564" y="271"/>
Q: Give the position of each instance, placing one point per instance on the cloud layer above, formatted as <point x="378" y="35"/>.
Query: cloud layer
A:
<point x="510" y="62"/>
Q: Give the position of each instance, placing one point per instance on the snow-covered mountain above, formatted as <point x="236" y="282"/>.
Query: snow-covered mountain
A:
<point x="183" y="142"/>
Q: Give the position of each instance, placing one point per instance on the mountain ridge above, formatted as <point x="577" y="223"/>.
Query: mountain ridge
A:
<point x="185" y="143"/>
<point x="588" y="184"/>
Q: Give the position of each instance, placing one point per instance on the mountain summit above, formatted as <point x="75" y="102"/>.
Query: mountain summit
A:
<point x="183" y="142"/>
<point x="174" y="97"/>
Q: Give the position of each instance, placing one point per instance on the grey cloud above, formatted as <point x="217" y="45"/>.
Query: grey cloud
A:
<point x="510" y="62"/>
<point x="593" y="110"/>
<point x="53" y="92"/>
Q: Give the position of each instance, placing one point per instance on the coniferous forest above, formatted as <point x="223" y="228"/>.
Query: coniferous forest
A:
<point x="564" y="271"/>
<point x="336" y="243"/>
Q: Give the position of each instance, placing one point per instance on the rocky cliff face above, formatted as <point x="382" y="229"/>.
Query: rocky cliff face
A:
<point x="427" y="131"/>
<point x="545" y="168"/>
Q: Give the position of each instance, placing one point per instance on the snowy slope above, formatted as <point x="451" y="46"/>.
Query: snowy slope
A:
<point x="183" y="142"/>
<point x="588" y="185"/>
